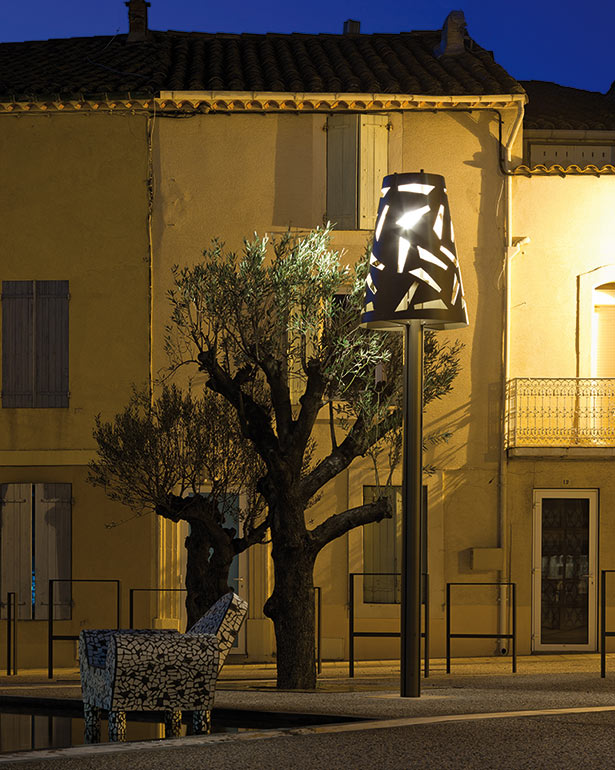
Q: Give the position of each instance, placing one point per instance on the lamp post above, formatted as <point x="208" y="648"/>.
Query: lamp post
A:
<point x="413" y="282"/>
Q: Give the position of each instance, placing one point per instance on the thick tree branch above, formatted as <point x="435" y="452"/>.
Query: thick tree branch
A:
<point x="277" y="380"/>
<point x="311" y="403"/>
<point x="356" y="443"/>
<point x="254" y="421"/>
<point x="340" y="523"/>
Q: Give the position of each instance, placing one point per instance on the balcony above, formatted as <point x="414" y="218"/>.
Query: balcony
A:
<point x="573" y="414"/>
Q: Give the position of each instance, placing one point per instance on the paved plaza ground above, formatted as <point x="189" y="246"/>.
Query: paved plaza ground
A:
<point x="555" y="712"/>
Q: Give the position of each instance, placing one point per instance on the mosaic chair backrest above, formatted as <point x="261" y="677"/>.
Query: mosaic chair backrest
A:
<point x="223" y="619"/>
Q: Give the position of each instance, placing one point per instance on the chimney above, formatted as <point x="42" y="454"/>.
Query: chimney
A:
<point x="352" y="27"/>
<point x="454" y="33"/>
<point x="137" y="21"/>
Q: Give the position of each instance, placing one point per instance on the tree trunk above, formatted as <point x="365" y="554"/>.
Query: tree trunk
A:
<point x="206" y="571"/>
<point x="291" y="607"/>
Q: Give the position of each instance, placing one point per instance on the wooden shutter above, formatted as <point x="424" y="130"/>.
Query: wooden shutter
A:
<point x="382" y="551"/>
<point x="17" y="344"/>
<point x="52" y="548"/>
<point x="373" y="166"/>
<point x="342" y="170"/>
<point x="16" y="546"/>
<point x="51" y="344"/>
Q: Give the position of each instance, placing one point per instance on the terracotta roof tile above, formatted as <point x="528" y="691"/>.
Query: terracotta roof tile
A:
<point x="552" y="106"/>
<point x="379" y="63"/>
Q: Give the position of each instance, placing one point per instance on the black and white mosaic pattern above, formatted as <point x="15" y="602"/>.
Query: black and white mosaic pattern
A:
<point x="125" y="670"/>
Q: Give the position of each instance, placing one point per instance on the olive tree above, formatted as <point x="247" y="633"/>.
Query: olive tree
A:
<point x="159" y="454"/>
<point x="276" y="331"/>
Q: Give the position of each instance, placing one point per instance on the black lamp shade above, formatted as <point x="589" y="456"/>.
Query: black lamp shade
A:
<point x="414" y="271"/>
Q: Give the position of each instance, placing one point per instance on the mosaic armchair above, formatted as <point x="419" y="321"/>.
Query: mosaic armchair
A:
<point x="161" y="670"/>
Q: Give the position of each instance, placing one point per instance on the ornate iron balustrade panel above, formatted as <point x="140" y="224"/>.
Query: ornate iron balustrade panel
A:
<point x="560" y="412"/>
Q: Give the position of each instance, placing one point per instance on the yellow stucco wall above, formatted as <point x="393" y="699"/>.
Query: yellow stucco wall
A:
<point x="74" y="204"/>
<point x="227" y="176"/>
<point x="572" y="230"/>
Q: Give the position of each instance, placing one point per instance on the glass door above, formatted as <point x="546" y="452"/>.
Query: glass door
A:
<point x="564" y="570"/>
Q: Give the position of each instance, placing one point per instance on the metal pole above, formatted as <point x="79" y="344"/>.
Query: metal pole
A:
<point x="50" y="633"/>
<point x="514" y="628"/>
<point x="9" y="631"/>
<point x="426" y="648"/>
<point x="603" y="623"/>
<point x="411" y="519"/>
<point x="351" y="628"/>
<point x="448" y="628"/>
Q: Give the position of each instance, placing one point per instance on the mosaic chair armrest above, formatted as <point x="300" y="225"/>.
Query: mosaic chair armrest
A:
<point x="151" y="671"/>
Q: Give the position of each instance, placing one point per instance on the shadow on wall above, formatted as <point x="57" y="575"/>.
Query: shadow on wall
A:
<point x="486" y="326"/>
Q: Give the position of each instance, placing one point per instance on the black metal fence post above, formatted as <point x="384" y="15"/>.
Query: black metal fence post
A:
<point x="603" y="623"/>
<point x="11" y="633"/>
<point x="51" y="637"/>
<point x="514" y="627"/>
<point x="426" y="603"/>
<point x="351" y="628"/>
<point x="352" y="634"/>
<point x="448" y="628"/>
<point x="450" y="635"/>
<point x="131" y="601"/>
<point x="318" y="592"/>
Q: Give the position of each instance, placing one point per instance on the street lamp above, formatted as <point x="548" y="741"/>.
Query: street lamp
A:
<point x="413" y="282"/>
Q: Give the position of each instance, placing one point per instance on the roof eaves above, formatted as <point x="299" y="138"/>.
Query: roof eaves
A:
<point x="242" y="101"/>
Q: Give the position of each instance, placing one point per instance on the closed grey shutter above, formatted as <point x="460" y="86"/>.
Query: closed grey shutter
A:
<point x="17" y="344"/>
<point x="52" y="548"/>
<point x="342" y="170"/>
<point x="382" y="551"/>
<point x="16" y="546"/>
<point x="51" y="344"/>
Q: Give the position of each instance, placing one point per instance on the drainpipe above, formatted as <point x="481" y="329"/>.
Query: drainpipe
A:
<point x="510" y="249"/>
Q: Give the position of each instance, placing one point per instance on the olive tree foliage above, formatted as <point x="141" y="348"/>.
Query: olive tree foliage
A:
<point x="275" y="329"/>
<point x="158" y="455"/>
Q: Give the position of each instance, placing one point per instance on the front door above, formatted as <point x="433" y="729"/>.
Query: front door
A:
<point x="564" y="570"/>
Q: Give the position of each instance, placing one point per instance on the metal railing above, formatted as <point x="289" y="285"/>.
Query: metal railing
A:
<point x="353" y="634"/>
<point x="560" y="412"/>
<point x="318" y="596"/>
<point x="603" y="630"/>
<point x="11" y="633"/>
<point x="512" y="636"/>
<point x="131" y="602"/>
<point x="51" y="637"/>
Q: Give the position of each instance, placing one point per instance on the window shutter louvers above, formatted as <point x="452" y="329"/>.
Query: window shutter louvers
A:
<point x="51" y="344"/>
<point x="342" y="171"/>
<point x="35" y="344"/>
<point x="16" y="546"/>
<point x="17" y="344"/>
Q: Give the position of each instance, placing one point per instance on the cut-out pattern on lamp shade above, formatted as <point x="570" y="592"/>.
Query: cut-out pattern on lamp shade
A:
<point x="414" y="271"/>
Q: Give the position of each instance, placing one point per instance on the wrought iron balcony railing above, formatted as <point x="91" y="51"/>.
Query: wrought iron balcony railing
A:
<point x="560" y="412"/>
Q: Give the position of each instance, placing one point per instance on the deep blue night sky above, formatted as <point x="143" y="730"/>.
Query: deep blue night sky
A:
<point x="566" y="42"/>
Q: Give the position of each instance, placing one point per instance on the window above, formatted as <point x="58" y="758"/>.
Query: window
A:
<point x="603" y="331"/>
<point x="357" y="160"/>
<point x="35" y="344"/>
<point x="35" y="547"/>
